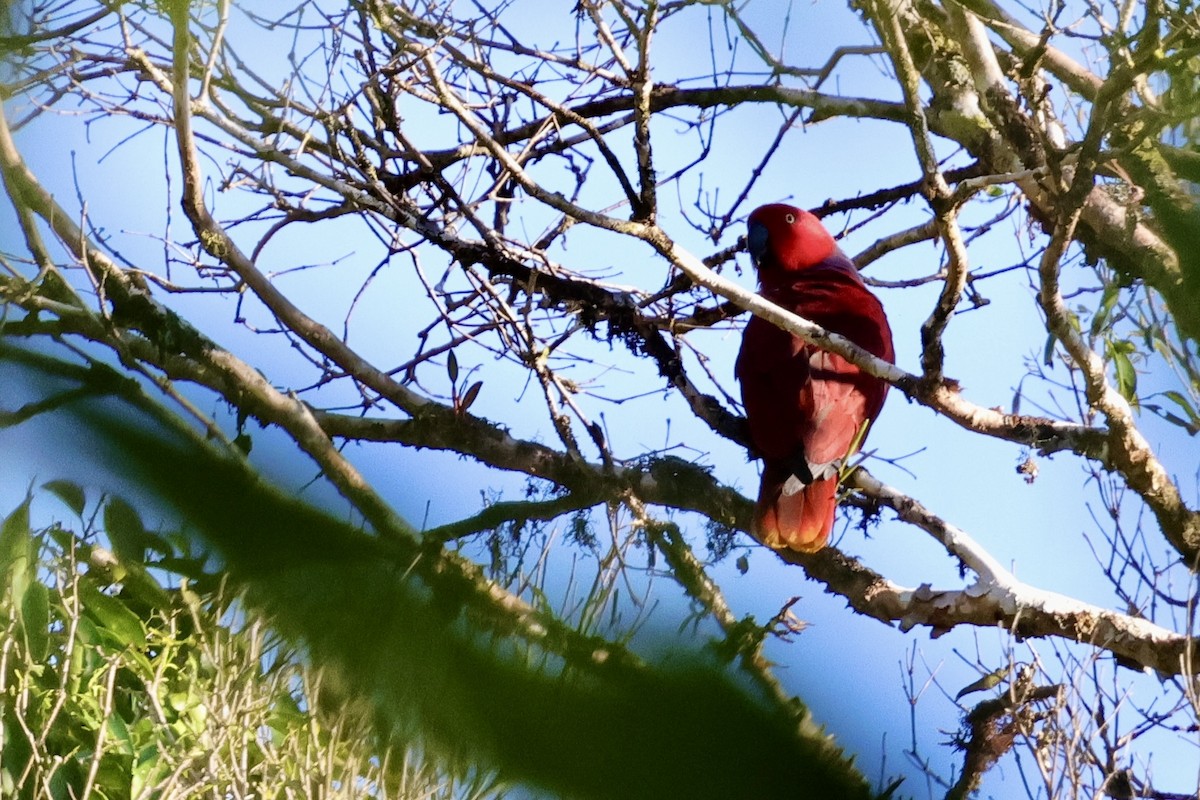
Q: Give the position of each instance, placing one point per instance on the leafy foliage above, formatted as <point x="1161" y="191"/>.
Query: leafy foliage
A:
<point x="120" y="684"/>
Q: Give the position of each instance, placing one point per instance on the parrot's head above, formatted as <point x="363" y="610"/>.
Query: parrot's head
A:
<point x="783" y="237"/>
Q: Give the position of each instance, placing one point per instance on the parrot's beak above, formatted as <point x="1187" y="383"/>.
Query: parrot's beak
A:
<point x="756" y="241"/>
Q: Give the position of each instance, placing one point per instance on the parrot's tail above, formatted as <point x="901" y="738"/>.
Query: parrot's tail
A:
<point x="792" y="515"/>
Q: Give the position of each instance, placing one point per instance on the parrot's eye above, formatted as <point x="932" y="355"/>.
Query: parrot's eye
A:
<point x="790" y="218"/>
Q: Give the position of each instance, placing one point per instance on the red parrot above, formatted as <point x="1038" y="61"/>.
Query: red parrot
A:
<point x="806" y="408"/>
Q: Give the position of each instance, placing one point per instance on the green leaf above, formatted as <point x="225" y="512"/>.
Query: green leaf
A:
<point x="125" y="530"/>
<point x="112" y="615"/>
<point x="35" y="620"/>
<point x="149" y="767"/>
<point x="112" y="778"/>
<point x="286" y="715"/>
<point x="1118" y="353"/>
<point x="452" y="368"/>
<point x="87" y="635"/>
<point x="119" y="734"/>
<point x="1107" y="300"/>
<point x="17" y="567"/>
<point x="70" y="493"/>
<point x="1181" y="401"/>
<point x="62" y="787"/>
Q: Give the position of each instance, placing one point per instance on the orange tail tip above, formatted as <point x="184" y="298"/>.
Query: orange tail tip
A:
<point x="795" y="520"/>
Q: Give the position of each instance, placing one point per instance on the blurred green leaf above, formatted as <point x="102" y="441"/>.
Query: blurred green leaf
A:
<point x="125" y="530"/>
<point x="70" y="493"/>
